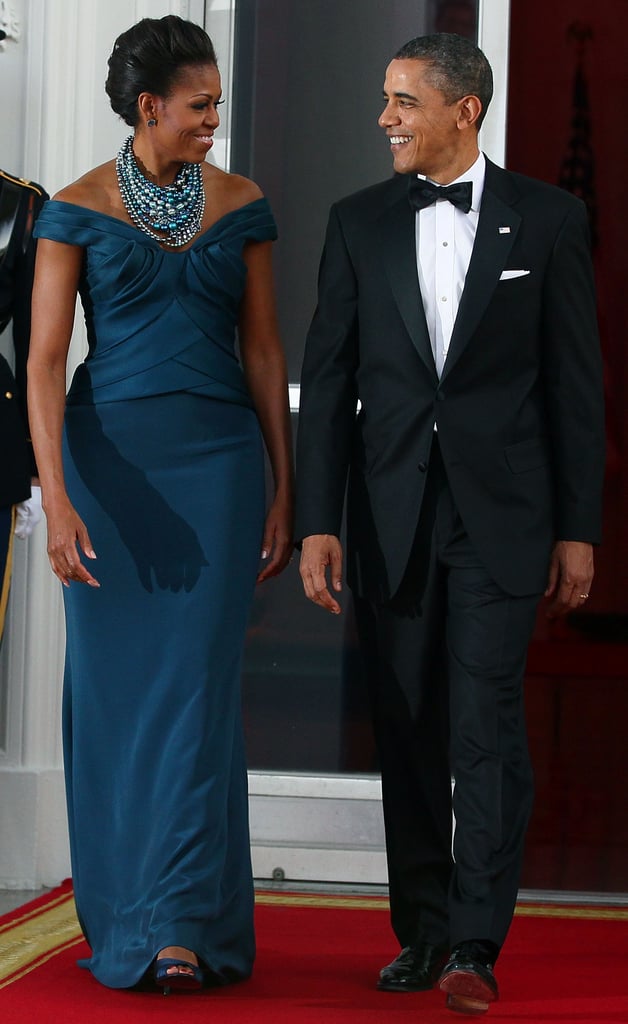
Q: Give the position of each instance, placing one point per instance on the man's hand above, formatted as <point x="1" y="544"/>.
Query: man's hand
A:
<point x="317" y="553"/>
<point x="570" y="576"/>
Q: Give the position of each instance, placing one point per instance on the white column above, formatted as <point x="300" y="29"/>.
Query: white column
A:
<point x="493" y="38"/>
<point x="66" y="127"/>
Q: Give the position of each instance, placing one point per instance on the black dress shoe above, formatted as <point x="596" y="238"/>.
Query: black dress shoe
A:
<point x="416" y="969"/>
<point x="468" y="977"/>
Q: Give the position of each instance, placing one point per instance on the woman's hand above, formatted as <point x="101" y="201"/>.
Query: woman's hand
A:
<point x="278" y="542"/>
<point x="67" y="537"/>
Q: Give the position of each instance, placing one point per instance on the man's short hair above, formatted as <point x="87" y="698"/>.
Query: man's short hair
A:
<point x="457" y="66"/>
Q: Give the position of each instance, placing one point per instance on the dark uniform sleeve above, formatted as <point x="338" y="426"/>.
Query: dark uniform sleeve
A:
<point x="17" y="268"/>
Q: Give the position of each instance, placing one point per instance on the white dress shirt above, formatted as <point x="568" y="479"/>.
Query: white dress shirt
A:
<point x="444" y="243"/>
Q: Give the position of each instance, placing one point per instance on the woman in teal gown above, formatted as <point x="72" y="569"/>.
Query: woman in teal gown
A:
<point x="155" y="464"/>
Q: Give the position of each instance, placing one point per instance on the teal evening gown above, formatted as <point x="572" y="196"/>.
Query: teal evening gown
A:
<point x="164" y="463"/>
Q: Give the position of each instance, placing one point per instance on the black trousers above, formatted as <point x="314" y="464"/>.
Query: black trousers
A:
<point x="445" y="660"/>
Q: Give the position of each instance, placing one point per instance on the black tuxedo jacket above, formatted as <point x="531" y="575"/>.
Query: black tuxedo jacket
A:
<point x="518" y="408"/>
<point x="20" y="203"/>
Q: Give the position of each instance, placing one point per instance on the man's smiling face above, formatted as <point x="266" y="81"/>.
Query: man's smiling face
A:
<point x="422" y="126"/>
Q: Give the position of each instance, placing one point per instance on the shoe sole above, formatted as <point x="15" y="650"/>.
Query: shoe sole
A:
<point x="178" y="985"/>
<point x="467" y="992"/>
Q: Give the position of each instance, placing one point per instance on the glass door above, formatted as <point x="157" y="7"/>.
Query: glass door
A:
<point x="303" y="85"/>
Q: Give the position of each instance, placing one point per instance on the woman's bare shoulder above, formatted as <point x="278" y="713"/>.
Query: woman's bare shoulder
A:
<point x="229" y="190"/>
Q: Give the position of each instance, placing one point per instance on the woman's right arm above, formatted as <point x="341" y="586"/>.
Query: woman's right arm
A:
<point x="57" y="272"/>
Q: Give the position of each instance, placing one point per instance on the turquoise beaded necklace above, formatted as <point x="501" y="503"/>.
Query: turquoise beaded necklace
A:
<point x="175" y="211"/>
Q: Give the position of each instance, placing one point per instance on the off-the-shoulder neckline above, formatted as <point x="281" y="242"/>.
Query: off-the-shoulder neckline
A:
<point x="140" y="235"/>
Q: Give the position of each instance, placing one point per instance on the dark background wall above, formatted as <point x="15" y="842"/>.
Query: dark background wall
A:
<point x="543" y="55"/>
<point x="577" y="681"/>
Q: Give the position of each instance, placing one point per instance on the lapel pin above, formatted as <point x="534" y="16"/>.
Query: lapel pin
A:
<point x="504" y="231"/>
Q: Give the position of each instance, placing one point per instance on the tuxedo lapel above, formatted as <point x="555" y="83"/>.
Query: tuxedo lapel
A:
<point x="398" y="238"/>
<point x="497" y="229"/>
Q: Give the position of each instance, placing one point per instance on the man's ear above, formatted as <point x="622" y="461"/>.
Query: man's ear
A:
<point x="469" y="110"/>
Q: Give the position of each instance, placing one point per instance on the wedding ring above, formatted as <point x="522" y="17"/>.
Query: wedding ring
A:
<point x="583" y="597"/>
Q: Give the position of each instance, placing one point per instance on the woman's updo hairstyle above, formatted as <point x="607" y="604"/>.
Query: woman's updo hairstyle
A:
<point x="149" y="57"/>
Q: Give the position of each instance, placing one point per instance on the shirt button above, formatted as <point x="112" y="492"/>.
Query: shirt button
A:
<point x="443" y="298"/>
<point x="445" y="244"/>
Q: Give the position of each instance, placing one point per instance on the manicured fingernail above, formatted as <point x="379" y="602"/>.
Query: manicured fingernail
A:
<point x="264" y="553"/>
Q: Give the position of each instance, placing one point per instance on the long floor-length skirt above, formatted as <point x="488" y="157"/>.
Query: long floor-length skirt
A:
<point x="171" y="491"/>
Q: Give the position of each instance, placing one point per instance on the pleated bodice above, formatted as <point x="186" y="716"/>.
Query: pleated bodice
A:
<point x="158" y="320"/>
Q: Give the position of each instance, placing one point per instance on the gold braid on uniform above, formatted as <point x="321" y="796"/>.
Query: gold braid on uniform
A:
<point x="21" y="181"/>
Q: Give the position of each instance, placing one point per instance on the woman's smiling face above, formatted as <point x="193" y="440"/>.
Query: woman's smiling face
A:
<point x="188" y="117"/>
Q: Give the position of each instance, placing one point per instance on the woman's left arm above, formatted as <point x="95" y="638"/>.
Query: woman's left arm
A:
<point x="266" y="376"/>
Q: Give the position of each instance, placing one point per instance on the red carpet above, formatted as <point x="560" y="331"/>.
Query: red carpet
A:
<point x="317" y="963"/>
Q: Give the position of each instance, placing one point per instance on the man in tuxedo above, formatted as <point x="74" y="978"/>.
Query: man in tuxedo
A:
<point x="460" y="327"/>
<point x="20" y="501"/>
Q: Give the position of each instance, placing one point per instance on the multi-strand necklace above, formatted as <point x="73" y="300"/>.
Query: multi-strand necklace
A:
<point x="171" y="214"/>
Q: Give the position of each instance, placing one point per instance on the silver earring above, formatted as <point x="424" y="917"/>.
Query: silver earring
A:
<point x="151" y="123"/>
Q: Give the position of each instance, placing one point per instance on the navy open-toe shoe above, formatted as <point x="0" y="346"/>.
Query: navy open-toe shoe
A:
<point x="186" y="978"/>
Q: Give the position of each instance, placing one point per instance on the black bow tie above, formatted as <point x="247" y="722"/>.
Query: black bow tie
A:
<point x="422" y="193"/>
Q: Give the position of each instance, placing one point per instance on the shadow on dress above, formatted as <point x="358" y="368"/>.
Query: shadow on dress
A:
<point x="165" y="549"/>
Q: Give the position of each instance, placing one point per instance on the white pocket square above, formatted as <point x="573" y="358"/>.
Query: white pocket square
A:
<point x="507" y="275"/>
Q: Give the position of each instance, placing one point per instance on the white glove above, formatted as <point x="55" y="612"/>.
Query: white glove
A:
<point x="28" y="513"/>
